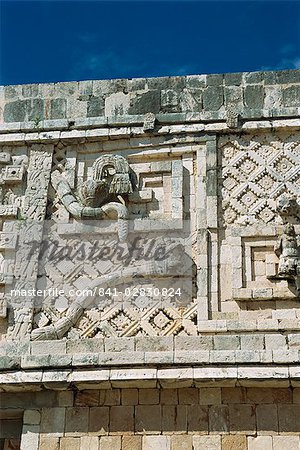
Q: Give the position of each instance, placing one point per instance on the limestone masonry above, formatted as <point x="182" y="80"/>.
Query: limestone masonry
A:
<point x="150" y="271"/>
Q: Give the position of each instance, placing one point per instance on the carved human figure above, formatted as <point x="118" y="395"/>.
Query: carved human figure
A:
<point x="286" y="249"/>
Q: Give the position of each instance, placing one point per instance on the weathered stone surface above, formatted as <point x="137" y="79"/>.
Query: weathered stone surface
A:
<point x="235" y="442"/>
<point x="53" y="422"/>
<point x="31" y="417"/>
<point x="156" y="442"/>
<point x="98" y="420"/>
<point x="197" y="419"/>
<point x="110" y="442"/>
<point x="77" y="421"/>
<point x="15" y="111"/>
<point x="260" y="443"/>
<point x="205" y="442"/>
<point x="148" y="419"/>
<point x="267" y="419"/>
<point x="48" y="443"/>
<point x="89" y="442"/>
<point x="213" y="98"/>
<point x="131" y="442"/>
<point x="219" y="419"/>
<point x="181" y="442"/>
<point x="121" y="420"/>
<point x="254" y="96"/>
<point x="148" y="396"/>
<point x="67" y="443"/>
<point x="58" y="108"/>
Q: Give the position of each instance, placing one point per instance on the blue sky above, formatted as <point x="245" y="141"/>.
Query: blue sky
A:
<point x="48" y="41"/>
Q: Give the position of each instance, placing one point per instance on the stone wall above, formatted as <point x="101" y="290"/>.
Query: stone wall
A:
<point x="206" y="167"/>
<point x="254" y="94"/>
<point x="160" y="419"/>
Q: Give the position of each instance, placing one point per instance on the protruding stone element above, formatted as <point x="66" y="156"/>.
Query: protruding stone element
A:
<point x="149" y="122"/>
<point x="232" y="117"/>
<point x="286" y="249"/>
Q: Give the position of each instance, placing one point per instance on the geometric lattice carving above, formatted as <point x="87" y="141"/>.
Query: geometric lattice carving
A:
<point x="256" y="170"/>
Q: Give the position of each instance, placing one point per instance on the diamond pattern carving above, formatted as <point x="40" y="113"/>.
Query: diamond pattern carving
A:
<point x="256" y="170"/>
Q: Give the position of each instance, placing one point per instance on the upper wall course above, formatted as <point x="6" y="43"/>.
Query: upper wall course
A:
<point x="248" y="92"/>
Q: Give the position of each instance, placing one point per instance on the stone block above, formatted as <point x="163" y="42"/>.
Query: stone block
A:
<point x="154" y="344"/>
<point x="48" y="443"/>
<point x="291" y="96"/>
<point x="48" y="347"/>
<point x="213" y="98"/>
<point x="175" y="378"/>
<point x="86" y="398"/>
<point x="268" y="395"/>
<point x="260" y="443"/>
<point x="121" y="420"/>
<point x="233" y="79"/>
<point x="161" y="358"/>
<point x="148" y="419"/>
<point x="77" y="421"/>
<point x="288" y="418"/>
<point x="58" y="108"/>
<point x="99" y="420"/>
<point x="247" y="356"/>
<point x="235" y="442"/>
<point x="286" y="356"/>
<point x="206" y="442"/>
<point x="30" y="437"/>
<point x="85" y="346"/>
<point x="110" y="443"/>
<point x="174" y="419"/>
<point x="294" y="340"/>
<point x="188" y="396"/>
<point x="214" y="79"/>
<point x="69" y="443"/>
<point x="254" y="96"/>
<point x="10" y="362"/>
<point x="182" y="442"/>
<point x="275" y="341"/>
<point x="35" y="110"/>
<point x="296" y="395"/>
<point x="197" y="419"/>
<point x="15" y="111"/>
<point x="145" y="103"/>
<point x="65" y="398"/>
<point x="89" y="442"/>
<point x="222" y="356"/>
<point x="242" y="419"/>
<point x="53" y="422"/>
<point x="252" y="341"/>
<point x="193" y="343"/>
<point x="169" y="98"/>
<point x="149" y="396"/>
<point x="119" y="344"/>
<point x="286" y="442"/>
<point x="267" y="419"/>
<point x="210" y="396"/>
<point x="222" y="342"/>
<point x="32" y="417"/>
<point x="129" y="396"/>
<point x="233" y="395"/>
<point x="218" y="419"/>
<point x="253" y="77"/>
<point x="110" y="397"/>
<point x="131" y="442"/>
<point x="156" y="443"/>
<point x="169" y="396"/>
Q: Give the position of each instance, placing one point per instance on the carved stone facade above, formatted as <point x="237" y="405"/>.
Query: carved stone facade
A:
<point x="150" y="282"/>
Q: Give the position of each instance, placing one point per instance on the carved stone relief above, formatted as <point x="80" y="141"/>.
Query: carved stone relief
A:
<point x="256" y="171"/>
